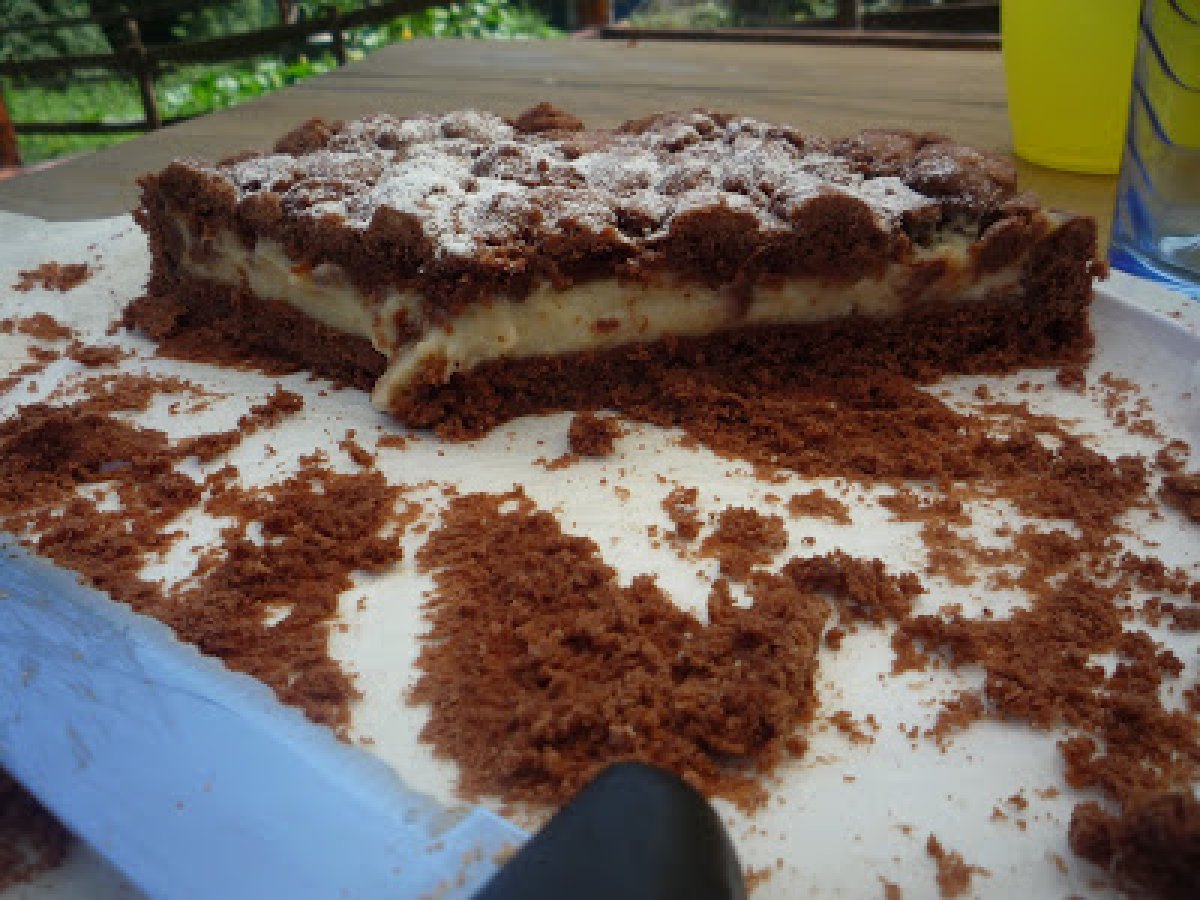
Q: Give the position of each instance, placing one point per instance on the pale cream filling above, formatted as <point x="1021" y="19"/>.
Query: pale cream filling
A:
<point x="594" y="315"/>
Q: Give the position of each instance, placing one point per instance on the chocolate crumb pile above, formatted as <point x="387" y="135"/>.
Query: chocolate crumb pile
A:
<point x="1151" y="849"/>
<point x="540" y="668"/>
<point x="31" y="840"/>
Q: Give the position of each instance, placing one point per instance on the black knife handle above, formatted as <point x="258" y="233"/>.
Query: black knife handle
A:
<point x="636" y="833"/>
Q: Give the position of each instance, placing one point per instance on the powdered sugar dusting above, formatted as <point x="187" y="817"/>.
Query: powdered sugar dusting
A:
<point x="473" y="181"/>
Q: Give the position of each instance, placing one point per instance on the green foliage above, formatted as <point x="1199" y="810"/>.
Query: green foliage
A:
<point x="230" y="17"/>
<point x="478" y="19"/>
<point x="41" y="43"/>
<point x="705" y="14"/>
<point x="198" y="89"/>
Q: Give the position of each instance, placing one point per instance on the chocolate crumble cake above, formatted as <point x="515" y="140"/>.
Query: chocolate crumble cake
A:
<point x="467" y="269"/>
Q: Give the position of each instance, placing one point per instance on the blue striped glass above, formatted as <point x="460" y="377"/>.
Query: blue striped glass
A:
<point x="1156" y="226"/>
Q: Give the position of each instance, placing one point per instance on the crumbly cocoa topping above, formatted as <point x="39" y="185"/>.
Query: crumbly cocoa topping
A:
<point x="31" y="839"/>
<point x="1152" y="849"/>
<point x="592" y="435"/>
<point x="545" y="117"/>
<point x="463" y="204"/>
<point x="53" y="276"/>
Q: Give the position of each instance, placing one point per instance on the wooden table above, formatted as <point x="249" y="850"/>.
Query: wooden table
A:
<point x="829" y="90"/>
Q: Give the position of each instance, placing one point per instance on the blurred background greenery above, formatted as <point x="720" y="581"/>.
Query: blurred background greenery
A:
<point x="103" y="96"/>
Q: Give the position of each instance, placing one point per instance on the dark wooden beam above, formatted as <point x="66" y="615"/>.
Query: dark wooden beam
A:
<point x="838" y="37"/>
<point x="10" y="154"/>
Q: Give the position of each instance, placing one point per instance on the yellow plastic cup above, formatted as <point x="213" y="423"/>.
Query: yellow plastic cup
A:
<point x="1069" y="67"/>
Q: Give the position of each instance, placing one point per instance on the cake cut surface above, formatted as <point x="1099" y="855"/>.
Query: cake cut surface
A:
<point x="468" y="269"/>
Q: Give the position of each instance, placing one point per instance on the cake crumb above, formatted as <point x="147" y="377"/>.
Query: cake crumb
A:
<point x="593" y="435"/>
<point x="358" y="454"/>
<point x="680" y="507"/>
<point x="95" y="357"/>
<point x="818" y="505"/>
<point x="744" y="538"/>
<point x="42" y="326"/>
<point x="891" y="890"/>
<point x="954" y="874"/>
<point x="53" y="276"/>
<point x="755" y="878"/>
<point x="393" y="441"/>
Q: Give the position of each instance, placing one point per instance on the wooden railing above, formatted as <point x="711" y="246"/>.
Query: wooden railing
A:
<point x="141" y="63"/>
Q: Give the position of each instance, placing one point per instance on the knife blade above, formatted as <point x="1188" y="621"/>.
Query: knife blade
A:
<point x="195" y="781"/>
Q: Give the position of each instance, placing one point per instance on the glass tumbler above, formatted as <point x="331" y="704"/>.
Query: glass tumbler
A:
<point x="1156" y="225"/>
<point x="1067" y="65"/>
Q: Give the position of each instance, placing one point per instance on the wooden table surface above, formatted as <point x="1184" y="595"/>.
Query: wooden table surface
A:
<point x="827" y="90"/>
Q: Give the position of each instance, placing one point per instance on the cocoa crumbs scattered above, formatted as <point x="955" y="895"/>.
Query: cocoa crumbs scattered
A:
<point x="1039" y="670"/>
<point x="278" y="405"/>
<point x="53" y="276"/>
<point x="1152" y="849"/>
<point x="319" y="528"/>
<point x="31" y="839"/>
<point x="34" y="366"/>
<point x="891" y="890"/>
<point x="680" y="507"/>
<point x="126" y="392"/>
<point x="816" y="504"/>
<point x="954" y="874"/>
<point x="42" y="326"/>
<point x="743" y="539"/>
<point x="883" y="426"/>
<point x="592" y="435"/>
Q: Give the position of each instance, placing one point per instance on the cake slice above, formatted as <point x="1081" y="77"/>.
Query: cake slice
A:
<point x="468" y="269"/>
